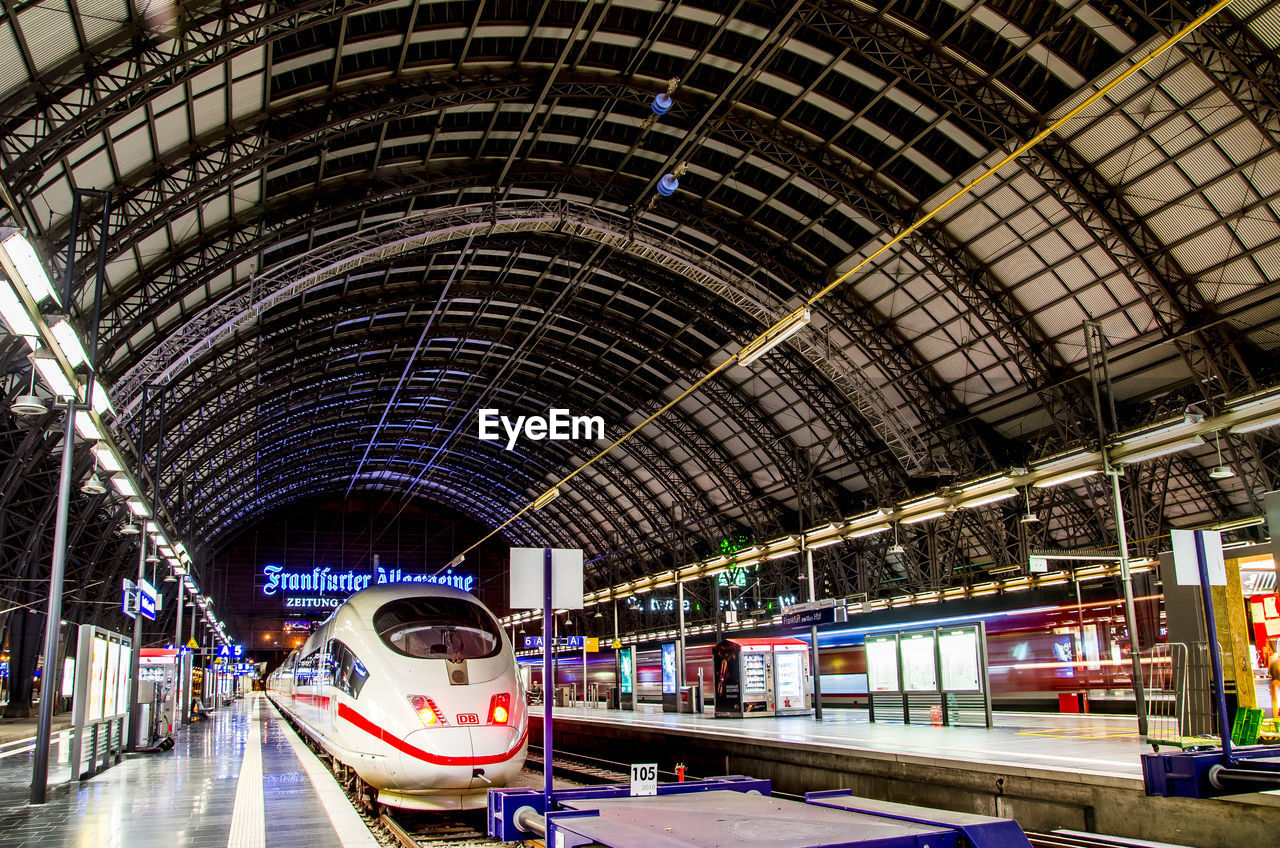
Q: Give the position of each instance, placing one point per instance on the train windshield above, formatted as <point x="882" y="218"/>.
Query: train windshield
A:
<point x="437" y="628"/>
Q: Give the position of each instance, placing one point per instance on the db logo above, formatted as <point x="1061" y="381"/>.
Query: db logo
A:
<point x="468" y="718"/>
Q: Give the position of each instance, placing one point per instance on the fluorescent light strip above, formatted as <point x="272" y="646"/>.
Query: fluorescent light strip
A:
<point x="51" y="372"/>
<point x="758" y="347"/>
<point x="14" y="314"/>
<point x="69" y="342"/>
<point x="24" y="267"/>
<point x="1255" y="425"/>
<point x="994" y="497"/>
<point x="916" y="519"/>
<point x="1161" y="450"/>
<point x="1068" y="477"/>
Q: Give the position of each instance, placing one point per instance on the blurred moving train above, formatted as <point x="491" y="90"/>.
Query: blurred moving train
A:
<point x="1034" y="654"/>
<point x="413" y="689"/>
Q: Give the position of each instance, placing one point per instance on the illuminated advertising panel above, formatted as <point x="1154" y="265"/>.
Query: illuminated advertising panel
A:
<point x="959" y="649"/>
<point x="111" y="687"/>
<point x="882" y="664"/>
<point x="669" y="679"/>
<point x="97" y="677"/>
<point x="919" y="663"/>
<point x="625" y="676"/>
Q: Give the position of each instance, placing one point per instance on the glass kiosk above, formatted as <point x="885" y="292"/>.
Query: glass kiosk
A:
<point x="762" y="677"/>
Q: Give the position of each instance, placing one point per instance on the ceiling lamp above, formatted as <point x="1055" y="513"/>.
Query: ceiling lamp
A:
<point x="93" y="486"/>
<point x="1030" y="517"/>
<point x="129" y="529"/>
<point x="896" y="548"/>
<point x="774" y="336"/>
<point x="28" y="406"/>
<point x="1220" y="471"/>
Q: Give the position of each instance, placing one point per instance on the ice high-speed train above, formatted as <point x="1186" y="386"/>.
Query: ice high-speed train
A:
<point x="414" y="688"/>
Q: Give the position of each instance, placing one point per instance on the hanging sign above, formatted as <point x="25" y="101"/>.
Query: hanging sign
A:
<point x="129" y="599"/>
<point x="148" y="603"/>
<point x="325" y="588"/>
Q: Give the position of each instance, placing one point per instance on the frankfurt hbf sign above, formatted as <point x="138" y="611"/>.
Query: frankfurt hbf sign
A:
<point x="325" y="588"/>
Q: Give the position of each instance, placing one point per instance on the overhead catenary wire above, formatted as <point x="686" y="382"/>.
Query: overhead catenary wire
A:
<point x="1165" y="46"/>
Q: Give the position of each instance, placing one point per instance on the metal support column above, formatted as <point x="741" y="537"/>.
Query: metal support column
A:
<point x="53" y="622"/>
<point x="547" y="690"/>
<point x="813" y="635"/>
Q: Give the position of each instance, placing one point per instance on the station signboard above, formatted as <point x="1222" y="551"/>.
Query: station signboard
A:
<point x="148" y="601"/>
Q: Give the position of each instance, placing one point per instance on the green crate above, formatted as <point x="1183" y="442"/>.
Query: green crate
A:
<point x="1244" y="730"/>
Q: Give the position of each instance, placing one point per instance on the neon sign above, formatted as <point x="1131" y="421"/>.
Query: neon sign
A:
<point x="309" y="589"/>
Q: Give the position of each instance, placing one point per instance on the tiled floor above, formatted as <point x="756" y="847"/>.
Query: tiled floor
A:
<point x="180" y="799"/>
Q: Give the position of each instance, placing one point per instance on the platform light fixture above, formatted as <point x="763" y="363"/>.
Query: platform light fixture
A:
<point x="69" y="342"/>
<point x="20" y="262"/>
<point x="137" y="507"/>
<point x="546" y="497"/>
<point x="101" y="401"/>
<point x="14" y="314"/>
<point x="87" y="427"/>
<point x="774" y="336"/>
<point x="924" y="516"/>
<point x="124" y="485"/>
<point x="993" y="497"/>
<point x="106" y="457"/>
<point x="51" y="372"/>
<point x="1066" y="477"/>
<point x="1159" y="450"/>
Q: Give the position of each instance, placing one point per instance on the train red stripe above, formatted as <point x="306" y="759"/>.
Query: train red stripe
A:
<point x="396" y="742"/>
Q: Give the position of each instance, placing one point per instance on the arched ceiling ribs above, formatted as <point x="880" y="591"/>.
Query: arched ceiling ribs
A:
<point x="518" y="216"/>
<point x="318" y="345"/>
<point x="281" y="456"/>
<point x="972" y="98"/>
<point x="115" y="76"/>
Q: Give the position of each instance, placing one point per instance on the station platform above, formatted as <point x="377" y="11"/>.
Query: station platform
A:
<point x="1047" y="771"/>
<point x="239" y="779"/>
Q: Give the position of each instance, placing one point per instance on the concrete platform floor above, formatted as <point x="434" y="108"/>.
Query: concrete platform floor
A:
<point x="1103" y="745"/>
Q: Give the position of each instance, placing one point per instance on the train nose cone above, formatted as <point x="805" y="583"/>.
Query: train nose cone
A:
<point x="498" y="751"/>
<point x="440" y="757"/>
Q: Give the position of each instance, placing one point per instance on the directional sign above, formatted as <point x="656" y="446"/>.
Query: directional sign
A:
<point x="147" y="602"/>
<point x="129" y="604"/>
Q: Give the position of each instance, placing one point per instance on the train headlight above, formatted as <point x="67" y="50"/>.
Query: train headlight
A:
<point x="428" y="713"/>
<point x="500" y="708"/>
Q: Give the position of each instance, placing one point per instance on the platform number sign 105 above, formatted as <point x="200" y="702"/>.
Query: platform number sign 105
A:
<point x="644" y="779"/>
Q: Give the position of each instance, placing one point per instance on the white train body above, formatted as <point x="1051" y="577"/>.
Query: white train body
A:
<point x="414" y="687"/>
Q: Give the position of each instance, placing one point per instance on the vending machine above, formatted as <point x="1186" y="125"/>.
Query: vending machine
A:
<point x="762" y="677"/>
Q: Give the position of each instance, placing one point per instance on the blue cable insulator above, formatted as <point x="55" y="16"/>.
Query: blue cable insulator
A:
<point x="661" y="104"/>
<point x="668" y="184"/>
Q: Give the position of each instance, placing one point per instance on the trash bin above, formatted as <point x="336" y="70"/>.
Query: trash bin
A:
<point x="690" y="699"/>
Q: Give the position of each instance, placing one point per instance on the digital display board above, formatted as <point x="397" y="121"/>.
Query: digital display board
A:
<point x="627" y="671"/>
<point x="919" y="663"/>
<point x="882" y="664"/>
<point x="959" y="649"/>
<point x="669" y="679"/>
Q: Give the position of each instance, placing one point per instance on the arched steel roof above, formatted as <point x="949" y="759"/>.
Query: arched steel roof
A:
<point x="341" y="228"/>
